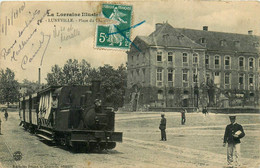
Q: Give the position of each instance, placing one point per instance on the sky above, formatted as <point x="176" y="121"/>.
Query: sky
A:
<point x="44" y="45"/>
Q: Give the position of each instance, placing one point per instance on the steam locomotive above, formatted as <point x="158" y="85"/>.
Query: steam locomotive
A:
<point x="73" y="116"/>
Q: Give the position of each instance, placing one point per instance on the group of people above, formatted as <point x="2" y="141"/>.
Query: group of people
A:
<point x="233" y="133"/>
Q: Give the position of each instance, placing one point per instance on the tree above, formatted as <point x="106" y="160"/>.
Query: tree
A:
<point x="9" y="92"/>
<point x="113" y="83"/>
<point x="72" y="72"/>
<point x="31" y="87"/>
<point x="56" y="76"/>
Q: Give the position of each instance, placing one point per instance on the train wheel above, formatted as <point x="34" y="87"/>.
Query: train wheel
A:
<point x="75" y="147"/>
<point x="90" y="147"/>
<point x="25" y="126"/>
<point x="99" y="147"/>
<point x="78" y="147"/>
<point x="111" y="145"/>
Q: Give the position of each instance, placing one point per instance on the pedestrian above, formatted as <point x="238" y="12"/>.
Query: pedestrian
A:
<point x="6" y="115"/>
<point x="205" y="110"/>
<point x="233" y="133"/>
<point x="183" y="116"/>
<point x="162" y="127"/>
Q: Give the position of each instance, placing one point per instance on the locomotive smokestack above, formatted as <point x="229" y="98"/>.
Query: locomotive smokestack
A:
<point x="96" y="89"/>
<point x="96" y="85"/>
<point x="39" y="76"/>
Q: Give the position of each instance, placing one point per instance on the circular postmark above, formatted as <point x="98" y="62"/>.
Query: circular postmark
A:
<point x="17" y="155"/>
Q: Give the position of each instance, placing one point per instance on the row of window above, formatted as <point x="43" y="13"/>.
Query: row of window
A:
<point x="223" y="43"/>
<point x="160" y="72"/>
<point x="241" y="78"/>
<point x="185" y="77"/>
<point x="227" y="62"/>
<point x="195" y="57"/>
<point x="195" y="60"/>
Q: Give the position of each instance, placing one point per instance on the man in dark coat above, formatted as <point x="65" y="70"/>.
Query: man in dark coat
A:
<point x="6" y="115"/>
<point x="162" y="127"/>
<point x="97" y="104"/>
<point x="233" y="133"/>
<point x="54" y="106"/>
<point x="205" y="111"/>
<point x="183" y="116"/>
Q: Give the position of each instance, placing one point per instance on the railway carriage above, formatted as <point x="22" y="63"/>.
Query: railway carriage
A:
<point x="76" y="121"/>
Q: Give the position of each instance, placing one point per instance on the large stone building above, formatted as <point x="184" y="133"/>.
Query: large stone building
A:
<point x="175" y="67"/>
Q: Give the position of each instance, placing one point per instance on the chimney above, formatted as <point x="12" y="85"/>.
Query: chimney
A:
<point x="250" y="32"/>
<point x="158" y="25"/>
<point x="39" y="76"/>
<point x="205" y="28"/>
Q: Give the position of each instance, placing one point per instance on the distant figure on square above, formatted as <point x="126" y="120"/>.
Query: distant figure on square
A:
<point x="162" y="127"/>
<point x="6" y="115"/>
<point x="183" y="116"/>
<point x="205" y="111"/>
<point x="233" y="133"/>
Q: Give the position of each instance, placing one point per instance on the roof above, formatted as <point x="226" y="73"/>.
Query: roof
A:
<point x="213" y="40"/>
<point x="49" y="88"/>
<point x="166" y="35"/>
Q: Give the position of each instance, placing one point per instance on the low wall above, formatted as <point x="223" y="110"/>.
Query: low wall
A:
<point x="173" y="109"/>
<point x="234" y="110"/>
<point x="211" y="110"/>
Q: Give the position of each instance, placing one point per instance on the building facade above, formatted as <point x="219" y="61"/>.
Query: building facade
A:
<point x="192" y="68"/>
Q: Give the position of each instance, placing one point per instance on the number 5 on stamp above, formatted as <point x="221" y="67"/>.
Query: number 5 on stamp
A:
<point x="116" y="35"/>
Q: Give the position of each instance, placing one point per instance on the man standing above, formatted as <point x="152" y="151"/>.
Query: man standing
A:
<point x="54" y="106"/>
<point x="183" y="117"/>
<point x="6" y="115"/>
<point x="205" y="111"/>
<point x="162" y="127"/>
<point x="233" y="133"/>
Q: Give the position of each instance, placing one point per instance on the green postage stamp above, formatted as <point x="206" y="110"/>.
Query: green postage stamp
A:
<point x="116" y="35"/>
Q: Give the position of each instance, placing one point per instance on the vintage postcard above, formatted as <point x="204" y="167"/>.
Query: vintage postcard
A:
<point x="97" y="84"/>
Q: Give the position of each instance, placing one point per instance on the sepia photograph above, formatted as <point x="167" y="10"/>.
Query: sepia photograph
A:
<point x="130" y="84"/>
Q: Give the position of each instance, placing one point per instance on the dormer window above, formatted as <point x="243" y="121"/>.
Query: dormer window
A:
<point x="223" y="43"/>
<point x="180" y="36"/>
<point x="166" y="37"/>
<point x="237" y="43"/>
<point x="203" y="40"/>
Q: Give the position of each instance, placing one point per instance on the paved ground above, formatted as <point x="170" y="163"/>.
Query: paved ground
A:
<point x="196" y="144"/>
